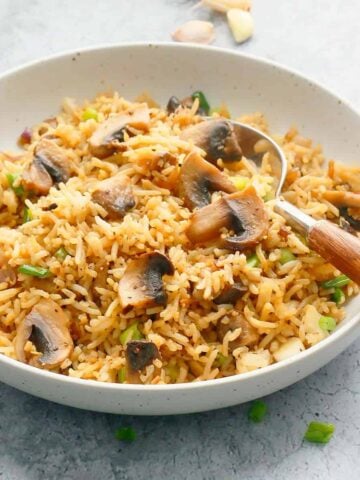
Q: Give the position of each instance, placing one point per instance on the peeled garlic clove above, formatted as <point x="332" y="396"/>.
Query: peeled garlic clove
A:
<point x="224" y="5"/>
<point x="195" y="31"/>
<point x="241" y="24"/>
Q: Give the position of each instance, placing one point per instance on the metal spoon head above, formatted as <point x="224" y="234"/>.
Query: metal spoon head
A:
<point x="255" y="144"/>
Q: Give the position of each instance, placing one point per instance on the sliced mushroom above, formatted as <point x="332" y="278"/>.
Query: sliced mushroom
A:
<point x="174" y="103"/>
<point x="243" y="212"/>
<point x="198" y="179"/>
<point x="141" y="285"/>
<point x="345" y="200"/>
<point x="8" y="275"/>
<point x="115" y="195"/>
<point x="217" y="138"/>
<point x="249" y="336"/>
<point x="46" y="326"/>
<point x="140" y="354"/>
<point x="49" y="166"/>
<point x="108" y="136"/>
<point x="231" y="294"/>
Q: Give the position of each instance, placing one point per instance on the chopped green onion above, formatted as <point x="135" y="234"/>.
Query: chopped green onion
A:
<point x="122" y="375"/>
<point x="11" y="178"/>
<point x="27" y="215"/>
<point x="172" y="371"/>
<point x="125" y="434"/>
<point x="203" y="103"/>
<point x="61" y="254"/>
<point x="339" y="281"/>
<point x="268" y="196"/>
<point x="338" y="295"/>
<point x="89" y="113"/>
<point x="327" y="323"/>
<point x="257" y="411"/>
<point x="318" y="432"/>
<point x="130" y="333"/>
<point x="286" y="256"/>
<point x="240" y="182"/>
<point x="34" y="271"/>
<point x="222" y="361"/>
<point x="253" y="260"/>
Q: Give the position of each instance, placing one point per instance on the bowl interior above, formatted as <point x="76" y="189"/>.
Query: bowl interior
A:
<point x="244" y="83"/>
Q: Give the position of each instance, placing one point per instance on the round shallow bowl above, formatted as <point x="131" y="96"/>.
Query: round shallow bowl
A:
<point x="33" y="92"/>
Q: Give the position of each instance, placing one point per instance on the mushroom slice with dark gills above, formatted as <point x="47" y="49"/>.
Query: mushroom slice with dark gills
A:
<point x="108" y="136"/>
<point x="345" y="201"/>
<point x="216" y="137"/>
<point x="141" y="285"/>
<point x="50" y="165"/>
<point x="140" y="354"/>
<point x="46" y="326"/>
<point x="231" y="294"/>
<point x="248" y="336"/>
<point x="115" y="195"/>
<point x="198" y="179"/>
<point x="243" y="212"/>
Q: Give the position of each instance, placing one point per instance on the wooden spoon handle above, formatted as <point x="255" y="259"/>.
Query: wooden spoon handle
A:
<point x="337" y="246"/>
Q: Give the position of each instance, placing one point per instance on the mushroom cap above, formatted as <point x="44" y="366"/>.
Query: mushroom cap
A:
<point x="216" y="137"/>
<point x="231" y="294"/>
<point x="46" y="326"/>
<point x="199" y="178"/>
<point x="243" y="212"/>
<point x="110" y="133"/>
<point x="140" y="353"/>
<point x="141" y="285"/>
<point x="50" y="165"/>
<point x="115" y="194"/>
<point x="249" y="335"/>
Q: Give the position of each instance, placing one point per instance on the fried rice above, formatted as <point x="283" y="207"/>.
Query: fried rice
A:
<point x="81" y="252"/>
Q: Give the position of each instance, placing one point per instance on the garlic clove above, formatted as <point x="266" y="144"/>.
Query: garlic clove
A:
<point x="241" y="24"/>
<point x="195" y="31"/>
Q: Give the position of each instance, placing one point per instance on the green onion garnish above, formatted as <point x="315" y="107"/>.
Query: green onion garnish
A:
<point x="125" y="434"/>
<point x="172" y="371"/>
<point x="268" y="196"/>
<point x="257" y="411"/>
<point x="253" y="260"/>
<point x="222" y="361"/>
<point x="11" y="178"/>
<point x="286" y="256"/>
<point x="89" y="113"/>
<point x="122" y="375"/>
<point x="130" y="333"/>
<point x="339" y="281"/>
<point x="27" y="215"/>
<point x="34" y="271"/>
<point x="240" y="182"/>
<point x="318" y="432"/>
<point x="203" y="103"/>
<point x="327" y="323"/>
<point x="61" y="254"/>
<point x="338" y="295"/>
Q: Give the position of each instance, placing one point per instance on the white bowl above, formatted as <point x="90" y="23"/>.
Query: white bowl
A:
<point x="247" y="84"/>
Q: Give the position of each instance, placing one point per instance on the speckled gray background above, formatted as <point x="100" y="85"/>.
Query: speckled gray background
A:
<point x="42" y="440"/>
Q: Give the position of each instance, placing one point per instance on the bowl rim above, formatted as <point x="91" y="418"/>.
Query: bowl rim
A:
<point x="258" y="374"/>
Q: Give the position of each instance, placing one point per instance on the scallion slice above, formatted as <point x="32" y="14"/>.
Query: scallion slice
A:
<point x="130" y="333"/>
<point x="34" y="271"/>
<point x="318" y="432"/>
<point x="203" y="103"/>
<point x="125" y="434"/>
<point x="327" y="323"/>
<point x="339" y="281"/>
<point x="257" y="411"/>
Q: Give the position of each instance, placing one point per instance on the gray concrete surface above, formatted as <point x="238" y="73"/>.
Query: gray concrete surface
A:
<point x="42" y="440"/>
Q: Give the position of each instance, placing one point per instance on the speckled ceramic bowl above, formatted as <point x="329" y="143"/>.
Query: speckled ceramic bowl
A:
<point x="33" y="92"/>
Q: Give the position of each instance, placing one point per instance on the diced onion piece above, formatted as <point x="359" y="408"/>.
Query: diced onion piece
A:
<point x="292" y="347"/>
<point x="195" y="31"/>
<point x="241" y="24"/>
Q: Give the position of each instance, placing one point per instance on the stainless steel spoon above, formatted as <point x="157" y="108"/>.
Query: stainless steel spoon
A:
<point x="335" y="245"/>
